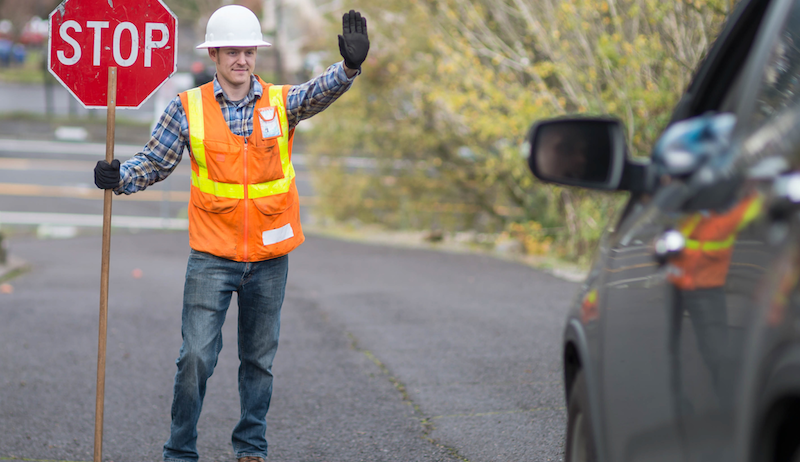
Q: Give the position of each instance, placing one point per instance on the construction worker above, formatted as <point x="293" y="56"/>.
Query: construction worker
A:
<point x="243" y="212"/>
<point x="710" y="236"/>
<point x="698" y="278"/>
<point x="565" y="151"/>
<point x="699" y="272"/>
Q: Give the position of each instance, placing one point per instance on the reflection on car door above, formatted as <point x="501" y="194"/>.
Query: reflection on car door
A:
<point x="713" y="312"/>
<point x="635" y="373"/>
<point x="674" y="332"/>
<point x="709" y="288"/>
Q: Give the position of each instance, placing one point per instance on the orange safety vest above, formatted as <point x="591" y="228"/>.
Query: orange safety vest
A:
<point x="243" y="203"/>
<point x="704" y="262"/>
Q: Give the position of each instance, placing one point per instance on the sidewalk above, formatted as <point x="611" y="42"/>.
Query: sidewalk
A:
<point x="39" y="128"/>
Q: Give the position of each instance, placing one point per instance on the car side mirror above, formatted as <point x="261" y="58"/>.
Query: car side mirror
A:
<point x="589" y="152"/>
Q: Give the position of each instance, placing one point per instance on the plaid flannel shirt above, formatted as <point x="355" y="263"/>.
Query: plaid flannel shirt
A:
<point x="171" y="135"/>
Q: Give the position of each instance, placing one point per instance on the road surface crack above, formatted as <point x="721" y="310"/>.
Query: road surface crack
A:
<point x="425" y="422"/>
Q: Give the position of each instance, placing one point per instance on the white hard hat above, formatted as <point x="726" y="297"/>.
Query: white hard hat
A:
<point x="233" y="26"/>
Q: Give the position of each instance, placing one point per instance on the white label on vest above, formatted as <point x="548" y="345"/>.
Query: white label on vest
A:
<point x="270" y="123"/>
<point x="273" y="236"/>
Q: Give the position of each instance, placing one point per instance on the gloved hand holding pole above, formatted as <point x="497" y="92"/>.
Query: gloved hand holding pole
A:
<point x="106" y="174"/>
<point x="79" y="60"/>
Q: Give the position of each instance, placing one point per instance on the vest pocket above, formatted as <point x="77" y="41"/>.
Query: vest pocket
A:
<point x="211" y="203"/>
<point x="264" y="163"/>
<point x="223" y="161"/>
<point x="272" y="205"/>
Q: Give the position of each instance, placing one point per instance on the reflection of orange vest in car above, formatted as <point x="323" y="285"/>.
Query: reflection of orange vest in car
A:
<point x="704" y="261"/>
<point x="244" y="204"/>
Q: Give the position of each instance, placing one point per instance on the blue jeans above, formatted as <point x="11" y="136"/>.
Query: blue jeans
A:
<point x="210" y="282"/>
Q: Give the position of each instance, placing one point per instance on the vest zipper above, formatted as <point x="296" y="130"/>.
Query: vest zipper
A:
<point x="246" y="205"/>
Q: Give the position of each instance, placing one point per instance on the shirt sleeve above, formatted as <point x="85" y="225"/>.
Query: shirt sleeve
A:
<point x="311" y="98"/>
<point x="160" y="155"/>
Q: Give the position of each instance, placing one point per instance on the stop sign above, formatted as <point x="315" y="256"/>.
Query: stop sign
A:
<point x="88" y="36"/>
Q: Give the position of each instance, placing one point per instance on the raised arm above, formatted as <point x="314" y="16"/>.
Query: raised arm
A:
<point x="317" y="94"/>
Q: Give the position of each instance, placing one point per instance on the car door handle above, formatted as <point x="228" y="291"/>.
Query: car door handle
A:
<point x="785" y="196"/>
<point x="669" y="245"/>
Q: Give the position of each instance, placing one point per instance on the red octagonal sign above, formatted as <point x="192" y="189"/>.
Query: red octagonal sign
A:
<point x="89" y="36"/>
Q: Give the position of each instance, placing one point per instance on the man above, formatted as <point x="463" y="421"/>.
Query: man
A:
<point x="243" y="212"/>
<point x="565" y="151"/>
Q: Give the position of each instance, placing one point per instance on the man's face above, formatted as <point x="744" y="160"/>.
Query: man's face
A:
<point x="234" y="64"/>
<point x="562" y="153"/>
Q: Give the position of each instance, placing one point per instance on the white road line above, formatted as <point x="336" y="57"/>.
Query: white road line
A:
<point x="61" y="165"/>
<point x="62" y="147"/>
<point x="125" y="151"/>
<point x="121" y="151"/>
<point x="91" y="221"/>
<point x="92" y="193"/>
<point x="89" y="192"/>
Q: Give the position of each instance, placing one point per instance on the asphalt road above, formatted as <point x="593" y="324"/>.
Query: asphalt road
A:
<point x="49" y="182"/>
<point x="386" y="354"/>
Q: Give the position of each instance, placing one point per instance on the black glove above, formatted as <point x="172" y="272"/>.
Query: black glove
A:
<point x="354" y="43"/>
<point x="106" y="176"/>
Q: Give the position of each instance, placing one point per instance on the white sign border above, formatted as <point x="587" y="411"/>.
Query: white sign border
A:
<point x="60" y="9"/>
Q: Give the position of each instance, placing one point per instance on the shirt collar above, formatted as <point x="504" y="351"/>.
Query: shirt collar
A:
<point x="256" y="90"/>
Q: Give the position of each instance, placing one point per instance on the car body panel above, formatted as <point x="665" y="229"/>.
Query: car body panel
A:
<point x="681" y="374"/>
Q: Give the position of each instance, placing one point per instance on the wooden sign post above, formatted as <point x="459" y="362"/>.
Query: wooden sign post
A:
<point x="106" y="256"/>
<point x="134" y="43"/>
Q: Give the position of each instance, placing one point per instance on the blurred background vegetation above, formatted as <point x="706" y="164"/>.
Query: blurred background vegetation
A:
<point x="432" y="135"/>
<point x="451" y="87"/>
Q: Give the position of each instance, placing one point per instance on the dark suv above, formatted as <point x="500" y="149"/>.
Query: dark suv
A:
<point x="684" y="342"/>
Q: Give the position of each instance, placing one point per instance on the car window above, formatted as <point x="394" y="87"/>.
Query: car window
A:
<point x="712" y="87"/>
<point x="779" y="87"/>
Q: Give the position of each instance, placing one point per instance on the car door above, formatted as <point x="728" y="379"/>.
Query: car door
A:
<point x="651" y="361"/>
<point x="640" y="422"/>
<point x="713" y="325"/>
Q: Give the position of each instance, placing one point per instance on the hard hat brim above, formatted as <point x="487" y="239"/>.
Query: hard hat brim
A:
<point x="233" y="43"/>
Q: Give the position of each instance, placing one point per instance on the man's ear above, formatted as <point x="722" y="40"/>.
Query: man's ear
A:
<point x="212" y="53"/>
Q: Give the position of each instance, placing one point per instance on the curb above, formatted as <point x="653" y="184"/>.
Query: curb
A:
<point x="418" y="240"/>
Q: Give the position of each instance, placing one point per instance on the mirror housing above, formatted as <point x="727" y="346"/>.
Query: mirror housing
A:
<point x="588" y="152"/>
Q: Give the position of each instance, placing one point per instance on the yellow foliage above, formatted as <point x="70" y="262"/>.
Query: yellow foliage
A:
<point x="568" y="8"/>
<point x="628" y="48"/>
<point x="462" y="97"/>
<point x="530" y="234"/>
